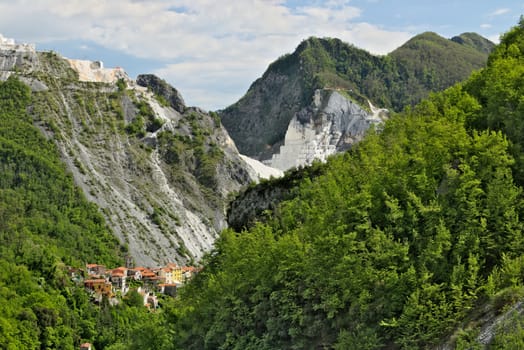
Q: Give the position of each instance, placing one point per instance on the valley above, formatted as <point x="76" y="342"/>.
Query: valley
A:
<point x="373" y="202"/>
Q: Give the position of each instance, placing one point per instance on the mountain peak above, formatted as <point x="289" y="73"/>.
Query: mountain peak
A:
<point x="475" y="41"/>
<point x="427" y="62"/>
<point x="466" y="40"/>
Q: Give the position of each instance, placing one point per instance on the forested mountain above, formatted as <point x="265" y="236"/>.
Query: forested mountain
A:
<point x="475" y="41"/>
<point x="429" y="62"/>
<point x="259" y="120"/>
<point x="411" y="240"/>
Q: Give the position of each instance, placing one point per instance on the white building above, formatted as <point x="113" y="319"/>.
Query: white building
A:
<point x="10" y="44"/>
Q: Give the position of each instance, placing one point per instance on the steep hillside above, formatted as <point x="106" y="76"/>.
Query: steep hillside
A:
<point x="499" y="89"/>
<point x="161" y="172"/>
<point x="411" y="240"/>
<point x="46" y="225"/>
<point x="258" y="121"/>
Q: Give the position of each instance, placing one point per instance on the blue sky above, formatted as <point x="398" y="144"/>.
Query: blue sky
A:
<point x="213" y="50"/>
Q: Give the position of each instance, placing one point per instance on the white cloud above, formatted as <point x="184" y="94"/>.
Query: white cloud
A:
<point x="213" y="49"/>
<point x="485" y="26"/>
<point x="500" y="12"/>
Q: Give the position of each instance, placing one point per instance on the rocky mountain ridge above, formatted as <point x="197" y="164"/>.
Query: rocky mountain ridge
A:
<point x="160" y="171"/>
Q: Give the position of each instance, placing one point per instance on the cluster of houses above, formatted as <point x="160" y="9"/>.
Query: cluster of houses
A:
<point x="101" y="281"/>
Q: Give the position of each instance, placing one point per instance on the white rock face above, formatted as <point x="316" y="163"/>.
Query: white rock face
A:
<point x="331" y="124"/>
<point x="94" y="71"/>
<point x="260" y="170"/>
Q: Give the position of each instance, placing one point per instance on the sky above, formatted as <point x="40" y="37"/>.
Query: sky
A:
<point x="212" y="50"/>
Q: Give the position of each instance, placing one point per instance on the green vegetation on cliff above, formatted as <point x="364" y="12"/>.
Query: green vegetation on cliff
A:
<point x="394" y="245"/>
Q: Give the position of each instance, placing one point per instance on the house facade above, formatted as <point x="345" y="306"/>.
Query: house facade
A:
<point x="118" y="278"/>
<point x="99" y="286"/>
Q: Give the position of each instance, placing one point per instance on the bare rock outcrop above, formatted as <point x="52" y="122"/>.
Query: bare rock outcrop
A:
<point x="331" y="124"/>
<point x="161" y="88"/>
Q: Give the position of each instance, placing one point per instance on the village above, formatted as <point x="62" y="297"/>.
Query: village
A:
<point x="113" y="284"/>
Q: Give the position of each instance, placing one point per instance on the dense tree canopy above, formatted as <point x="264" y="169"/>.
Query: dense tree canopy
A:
<point x="392" y="245"/>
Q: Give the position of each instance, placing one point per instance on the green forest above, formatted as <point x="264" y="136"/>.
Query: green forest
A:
<point x="404" y="242"/>
<point x="46" y="226"/>
<point x="397" y="244"/>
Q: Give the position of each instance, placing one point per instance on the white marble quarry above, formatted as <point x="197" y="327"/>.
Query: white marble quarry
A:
<point x="331" y="124"/>
<point x="302" y="145"/>
<point x="260" y="170"/>
<point x="94" y="71"/>
<point x="16" y="57"/>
